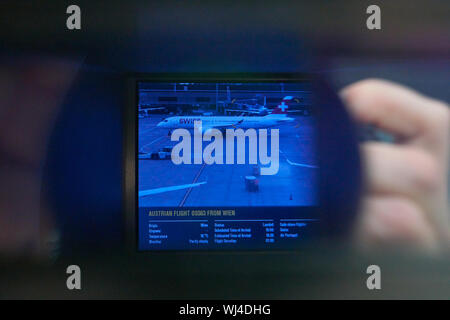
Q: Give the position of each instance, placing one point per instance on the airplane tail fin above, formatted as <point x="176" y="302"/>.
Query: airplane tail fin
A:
<point x="280" y="110"/>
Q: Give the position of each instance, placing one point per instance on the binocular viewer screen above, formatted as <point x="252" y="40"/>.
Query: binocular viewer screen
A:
<point x="226" y="165"/>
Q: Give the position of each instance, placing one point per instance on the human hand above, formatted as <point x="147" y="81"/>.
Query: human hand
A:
<point x="406" y="201"/>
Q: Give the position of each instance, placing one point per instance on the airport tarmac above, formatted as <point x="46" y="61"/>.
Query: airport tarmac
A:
<point x="220" y="185"/>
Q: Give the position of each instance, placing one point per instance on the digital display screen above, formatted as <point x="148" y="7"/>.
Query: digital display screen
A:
<point x="226" y="165"/>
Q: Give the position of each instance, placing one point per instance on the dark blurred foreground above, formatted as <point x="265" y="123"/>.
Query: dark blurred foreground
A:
<point x="313" y="273"/>
<point x="82" y="174"/>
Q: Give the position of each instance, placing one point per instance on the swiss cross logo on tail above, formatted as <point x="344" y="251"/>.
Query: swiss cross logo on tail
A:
<point x="283" y="106"/>
<point x="281" y="109"/>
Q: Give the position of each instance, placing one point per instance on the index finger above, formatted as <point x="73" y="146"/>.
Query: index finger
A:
<point x="397" y="110"/>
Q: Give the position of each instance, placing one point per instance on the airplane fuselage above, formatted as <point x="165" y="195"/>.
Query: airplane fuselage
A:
<point x="244" y="122"/>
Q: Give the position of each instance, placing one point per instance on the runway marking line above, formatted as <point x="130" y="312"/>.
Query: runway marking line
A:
<point x="188" y="192"/>
<point x="298" y="164"/>
<point x="301" y="164"/>
<point x="171" y="188"/>
<point x="147" y="144"/>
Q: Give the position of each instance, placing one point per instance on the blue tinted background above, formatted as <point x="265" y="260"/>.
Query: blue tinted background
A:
<point x="83" y="170"/>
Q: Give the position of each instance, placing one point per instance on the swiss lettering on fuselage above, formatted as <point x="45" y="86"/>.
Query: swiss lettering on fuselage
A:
<point x="237" y="122"/>
<point x="188" y="120"/>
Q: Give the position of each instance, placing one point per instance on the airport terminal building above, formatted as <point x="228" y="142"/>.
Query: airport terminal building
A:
<point x="185" y="98"/>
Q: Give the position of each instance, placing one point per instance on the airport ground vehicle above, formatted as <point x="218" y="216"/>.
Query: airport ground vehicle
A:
<point x="251" y="183"/>
<point x="162" y="154"/>
<point x="143" y="155"/>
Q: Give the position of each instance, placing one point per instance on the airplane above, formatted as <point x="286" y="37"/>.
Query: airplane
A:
<point x="144" y="112"/>
<point x="249" y="106"/>
<point x="277" y="117"/>
<point x="247" y="110"/>
<point x="246" y="106"/>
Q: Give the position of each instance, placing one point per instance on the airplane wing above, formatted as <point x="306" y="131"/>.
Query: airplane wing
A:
<point x="149" y="192"/>
<point x="223" y="127"/>
<point x="244" y="111"/>
<point x="237" y="123"/>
